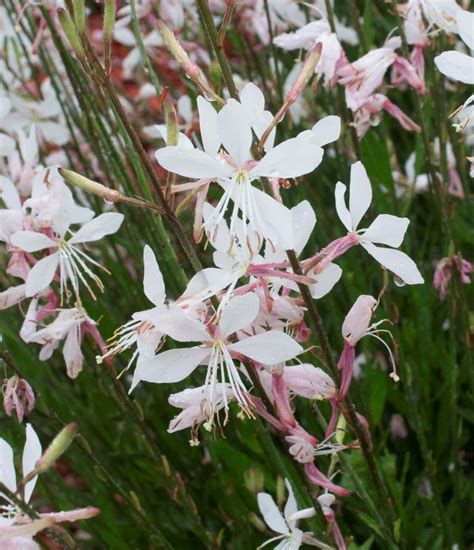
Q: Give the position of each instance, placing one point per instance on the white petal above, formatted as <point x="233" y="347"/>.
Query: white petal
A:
<point x="9" y="194"/>
<point x="326" y="130"/>
<point x="277" y="222"/>
<point x="290" y="506"/>
<point x="387" y="229"/>
<point x="12" y="296"/>
<point x="269" y="348"/>
<point x="341" y="208"/>
<point x="465" y="21"/>
<point x="160" y="131"/>
<point x="97" y="228"/>
<point x="208" y="125"/>
<point x="304" y="220"/>
<point x="192" y="163"/>
<point x="5" y="107"/>
<point x="174" y="322"/>
<point x="397" y="262"/>
<point x="55" y="133"/>
<point x="7" y="145"/>
<point x="271" y="514"/>
<point x="456" y="65"/>
<point x="239" y="313"/>
<point x="235" y="131"/>
<point x="290" y="159"/>
<point x="252" y="97"/>
<point x="153" y="284"/>
<point x="41" y="274"/>
<point x="325" y="281"/>
<point x="207" y="282"/>
<point x="30" y="241"/>
<point x="7" y="467"/>
<point x="170" y="366"/>
<point x="31" y="454"/>
<point x="360" y="193"/>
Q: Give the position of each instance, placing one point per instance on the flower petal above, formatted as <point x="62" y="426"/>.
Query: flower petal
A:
<point x="30" y="241"/>
<point x="465" y="21"/>
<point x="239" y="313"/>
<point x="276" y="222"/>
<point x="153" y="284"/>
<point x="174" y="322"/>
<point x="170" y="366"/>
<point x="304" y="220"/>
<point x="97" y="228"/>
<point x="387" y="229"/>
<point x="31" y="454"/>
<point x="341" y="208"/>
<point x="268" y="348"/>
<point x="290" y="507"/>
<point x="9" y="194"/>
<point x="235" y="131"/>
<point x="7" y="467"/>
<point x="271" y="514"/>
<point x="456" y="65"/>
<point x="326" y="130"/>
<point x="209" y="127"/>
<point x="360" y="193"/>
<point x="290" y="159"/>
<point x="41" y="274"/>
<point x="192" y="163"/>
<point x="205" y="283"/>
<point x="325" y="281"/>
<point x="397" y="262"/>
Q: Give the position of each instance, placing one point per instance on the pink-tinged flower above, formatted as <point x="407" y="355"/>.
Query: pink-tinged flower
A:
<point x="195" y="403"/>
<point x="218" y="353"/>
<point x="65" y="254"/>
<point x="286" y="524"/>
<point x="18" y="397"/>
<point x="446" y="268"/>
<point x="69" y="326"/>
<point x="456" y="65"/>
<point x="16" y="528"/>
<point x="234" y="169"/>
<point x="398" y="429"/>
<point x="442" y="13"/>
<point x="356" y="325"/>
<point x="326" y="500"/>
<point x="385" y="229"/>
<point x="415" y="29"/>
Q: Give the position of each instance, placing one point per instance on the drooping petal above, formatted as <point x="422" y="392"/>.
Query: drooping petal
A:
<point x="31" y="454"/>
<point x="326" y="130"/>
<point x="465" y="21"/>
<point x="304" y="220"/>
<point x="192" y="163"/>
<point x="268" y="348"/>
<point x="153" y="284"/>
<point x="290" y="159"/>
<point x="325" y="281"/>
<point x="12" y="296"/>
<point x="360" y="193"/>
<point x="235" y="131"/>
<point x="30" y="241"/>
<point x="41" y="274"/>
<point x="276" y="219"/>
<point x="209" y="127"/>
<point x="170" y="366"/>
<point x="271" y="514"/>
<point x="397" y="262"/>
<point x="97" y="228"/>
<point x="239" y="313"/>
<point x="7" y="467"/>
<point x="341" y="208"/>
<point x="456" y="65"/>
<point x="387" y="229"/>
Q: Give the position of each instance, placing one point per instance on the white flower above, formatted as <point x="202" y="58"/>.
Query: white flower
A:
<point x="65" y="254"/>
<point x="385" y="229"/>
<point x="456" y="65"/>
<point x="286" y="524"/>
<point x="217" y="352"/>
<point x="7" y="144"/>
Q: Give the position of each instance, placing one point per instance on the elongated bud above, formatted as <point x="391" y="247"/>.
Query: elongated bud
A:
<point x="171" y="124"/>
<point x="254" y="480"/>
<point x="80" y="16"/>
<point x="56" y="448"/>
<point x="307" y="71"/>
<point x="341" y="429"/>
<point x="108" y="28"/>
<point x="90" y="186"/>
<point x="177" y="51"/>
<point x="69" y="28"/>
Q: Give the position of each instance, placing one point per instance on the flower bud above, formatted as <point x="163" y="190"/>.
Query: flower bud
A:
<point x="171" y="124"/>
<point x="69" y="28"/>
<point x="80" y="16"/>
<point x="307" y="71"/>
<point x="177" y="51"/>
<point x="56" y="448"/>
<point x="18" y="397"/>
<point x="90" y="186"/>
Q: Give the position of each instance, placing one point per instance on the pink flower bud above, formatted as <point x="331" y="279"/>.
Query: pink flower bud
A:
<point x="18" y="397"/>
<point x="358" y="319"/>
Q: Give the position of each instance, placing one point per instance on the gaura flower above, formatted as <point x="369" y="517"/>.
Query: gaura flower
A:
<point x="218" y="352"/>
<point x="385" y="229"/>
